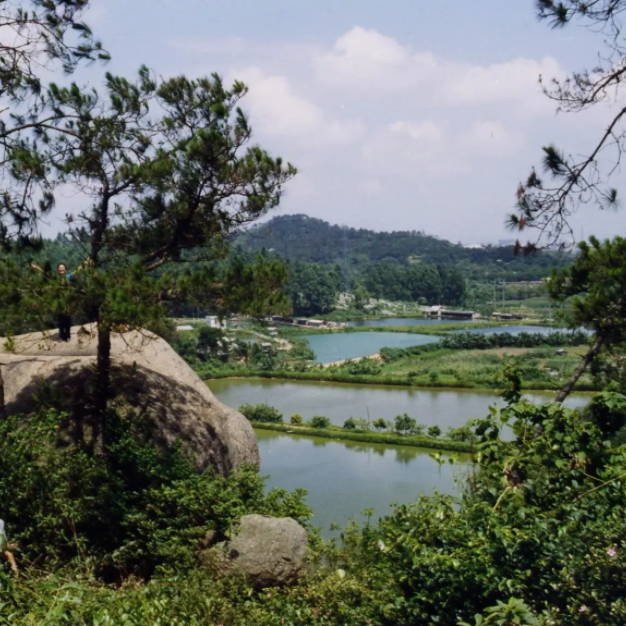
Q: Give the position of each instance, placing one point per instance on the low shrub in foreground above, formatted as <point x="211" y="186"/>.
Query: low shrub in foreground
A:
<point x="127" y="511"/>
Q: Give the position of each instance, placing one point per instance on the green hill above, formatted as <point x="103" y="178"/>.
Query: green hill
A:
<point x="303" y="238"/>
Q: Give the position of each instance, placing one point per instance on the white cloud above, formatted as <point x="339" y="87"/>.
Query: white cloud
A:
<point x="424" y="132"/>
<point x="386" y="135"/>
<point x="277" y="110"/>
<point x="490" y="139"/>
<point x="367" y="62"/>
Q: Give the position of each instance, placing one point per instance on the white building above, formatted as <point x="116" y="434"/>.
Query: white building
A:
<point x="212" y="321"/>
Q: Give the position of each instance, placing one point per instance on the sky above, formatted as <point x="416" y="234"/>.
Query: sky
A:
<point x="398" y="114"/>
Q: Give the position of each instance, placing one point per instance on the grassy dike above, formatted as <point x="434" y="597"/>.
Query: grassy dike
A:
<point x="341" y="434"/>
<point x="445" y="382"/>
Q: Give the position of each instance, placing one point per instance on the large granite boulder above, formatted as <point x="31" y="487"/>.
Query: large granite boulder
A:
<point x="269" y="551"/>
<point x="149" y="381"/>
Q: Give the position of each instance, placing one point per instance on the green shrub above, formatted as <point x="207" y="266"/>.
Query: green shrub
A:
<point x="319" y="421"/>
<point x="404" y="425"/>
<point x="296" y="418"/>
<point x="354" y="423"/>
<point x="464" y="433"/>
<point x="380" y="424"/>
<point x="261" y="413"/>
<point x="434" y="431"/>
<point x="127" y="511"/>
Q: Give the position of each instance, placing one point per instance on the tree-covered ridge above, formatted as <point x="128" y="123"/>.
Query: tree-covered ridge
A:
<point x="303" y="238"/>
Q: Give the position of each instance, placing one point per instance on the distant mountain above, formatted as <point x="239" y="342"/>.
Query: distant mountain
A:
<point x="303" y="238"/>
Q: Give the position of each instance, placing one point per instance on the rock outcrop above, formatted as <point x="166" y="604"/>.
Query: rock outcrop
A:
<point x="270" y="551"/>
<point x="148" y="379"/>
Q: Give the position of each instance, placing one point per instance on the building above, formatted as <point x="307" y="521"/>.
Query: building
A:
<point x="213" y="321"/>
<point x="438" y="312"/>
<point x="315" y="323"/>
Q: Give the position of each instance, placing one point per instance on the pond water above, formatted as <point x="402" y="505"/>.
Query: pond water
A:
<point x="337" y="401"/>
<point x="338" y="346"/>
<point x="345" y="478"/>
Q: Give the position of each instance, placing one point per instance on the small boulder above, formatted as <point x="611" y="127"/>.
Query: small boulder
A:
<point x="270" y="551"/>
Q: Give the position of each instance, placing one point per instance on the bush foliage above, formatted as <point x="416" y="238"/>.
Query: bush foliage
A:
<point x="536" y="537"/>
<point x="261" y="413"/>
<point x="129" y="511"/>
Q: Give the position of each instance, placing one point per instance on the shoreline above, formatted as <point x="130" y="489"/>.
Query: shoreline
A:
<point x="366" y="380"/>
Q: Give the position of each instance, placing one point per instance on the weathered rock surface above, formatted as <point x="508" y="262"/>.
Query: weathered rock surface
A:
<point x="270" y="551"/>
<point x="148" y="378"/>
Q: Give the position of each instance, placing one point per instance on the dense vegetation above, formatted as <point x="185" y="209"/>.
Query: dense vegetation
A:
<point x="126" y="513"/>
<point x="536" y="537"/>
<point x="303" y="238"/>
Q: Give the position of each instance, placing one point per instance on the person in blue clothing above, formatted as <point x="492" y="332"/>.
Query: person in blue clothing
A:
<point x="64" y="320"/>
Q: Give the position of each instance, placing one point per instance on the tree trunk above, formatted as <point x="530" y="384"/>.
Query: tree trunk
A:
<point x="2" y="405"/>
<point x="590" y="356"/>
<point x="102" y="387"/>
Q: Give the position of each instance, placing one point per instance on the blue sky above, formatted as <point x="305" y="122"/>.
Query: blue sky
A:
<point x="400" y="115"/>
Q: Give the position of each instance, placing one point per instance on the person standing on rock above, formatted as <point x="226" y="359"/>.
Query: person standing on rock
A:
<point x="4" y="548"/>
<point x="64" y="320"/>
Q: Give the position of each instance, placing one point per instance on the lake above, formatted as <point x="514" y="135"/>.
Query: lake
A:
<point x="338" y="346"/>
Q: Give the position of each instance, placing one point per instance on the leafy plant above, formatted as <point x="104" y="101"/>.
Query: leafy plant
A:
<point x="319" y="421"/>
<point x="127" y="512"/>
<point x="404" y="425"/>
<point x="261" y="413"/>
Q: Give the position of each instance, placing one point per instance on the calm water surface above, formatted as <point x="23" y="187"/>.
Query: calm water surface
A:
<point x="338" y="346"/>
<point x="345" y="478"/>
<point x="337" y="401"/>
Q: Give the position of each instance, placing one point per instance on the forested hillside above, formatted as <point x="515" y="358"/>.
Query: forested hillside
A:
<point x="323" y="261"/>
<point x="303" y="238"/>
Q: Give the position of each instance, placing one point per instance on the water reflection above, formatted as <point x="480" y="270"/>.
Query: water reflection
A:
<point x="444" y="408"/>
<point x="344" y="478"/>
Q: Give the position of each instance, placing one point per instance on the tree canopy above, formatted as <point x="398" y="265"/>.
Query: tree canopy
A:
<point x="34" y="35"/>
<point x="546" y="203"/>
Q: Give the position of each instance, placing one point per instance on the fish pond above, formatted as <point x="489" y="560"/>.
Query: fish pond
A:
<point x="344" y="478"/>
<point x="339" y="346"/>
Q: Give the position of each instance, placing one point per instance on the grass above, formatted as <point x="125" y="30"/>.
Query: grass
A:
<point x="335" y="432"/>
